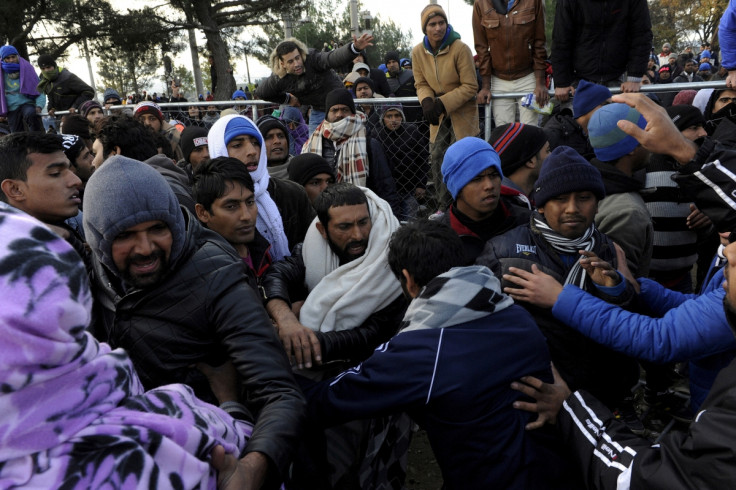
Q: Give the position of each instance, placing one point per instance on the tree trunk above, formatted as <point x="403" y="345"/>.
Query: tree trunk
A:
<point x="225" y="80"/>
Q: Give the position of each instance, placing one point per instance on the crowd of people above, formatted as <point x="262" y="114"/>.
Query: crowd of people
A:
<point x="199" y="300"/>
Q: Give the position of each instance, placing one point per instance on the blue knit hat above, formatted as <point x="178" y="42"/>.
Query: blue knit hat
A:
<point x="238" y="126"/>
<point x="608" y="141"/>
<point x="564" y="171"/>
<point x="239" y="93"/>
<point x="704" y="67"/>
<point x="7" y="50"/>
<point x="464" y="160"/>
<point x="587" y="97"/>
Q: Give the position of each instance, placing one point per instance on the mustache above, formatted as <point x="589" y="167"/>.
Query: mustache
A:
<point x="139" y="258"/>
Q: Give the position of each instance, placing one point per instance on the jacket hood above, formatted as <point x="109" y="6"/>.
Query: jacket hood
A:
<point x="123" y="193"/>
<point x="275" y="62"/>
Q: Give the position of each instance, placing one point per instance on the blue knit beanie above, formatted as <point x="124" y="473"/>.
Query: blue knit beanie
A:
<point x="587" y="96"/>
<point x="239" y="93"/>
<point x="7" y="50"/>
<point x="239" y="126"/>
<point x="123" y="193"/>
<point x="608" y="141"/>
<point x="464" y="160"/>
<point x="564" y="171"/>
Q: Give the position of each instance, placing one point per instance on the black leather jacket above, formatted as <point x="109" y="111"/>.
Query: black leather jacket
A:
<point x="204" y="310"/>
<point x="285" y="280"/>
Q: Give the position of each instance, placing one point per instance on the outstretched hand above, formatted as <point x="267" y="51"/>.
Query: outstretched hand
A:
<point x="363" y="41"/>
<point x="601" y="272"/>
<point x="535" y="287"/>
<point x="660" y="134"/>
<point x="549" y="398"/>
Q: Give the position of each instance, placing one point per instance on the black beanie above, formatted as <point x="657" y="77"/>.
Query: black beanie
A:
<point x="192" y="137"/>
<point x="339" y="96"/>
<point x="305" y="166"/>
<point x="565" y="171"/>
<point x="685" y="116"/>
<point x="46" y="60"/>
<point x="365" y="80"/>
<point x="73" y="146"/>
<point x="516" y="144"/>
<point x="268" y="122"/>
<point x="76" y="124"/>
<point x="391" y="55"/>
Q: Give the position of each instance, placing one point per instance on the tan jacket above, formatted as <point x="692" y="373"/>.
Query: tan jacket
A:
<point x="450" y="76"/>
<point x="512" y="45"/>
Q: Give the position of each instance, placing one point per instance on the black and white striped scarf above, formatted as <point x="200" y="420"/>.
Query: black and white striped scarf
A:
<point x="577" y="274"/>
<point x="460" y="295"/>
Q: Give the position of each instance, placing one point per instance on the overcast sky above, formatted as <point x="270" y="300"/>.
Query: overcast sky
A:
<point x="405" y="15"/>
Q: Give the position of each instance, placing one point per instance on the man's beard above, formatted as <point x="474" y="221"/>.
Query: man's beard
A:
<point x="142" y="281"/>
<point x="344" y="255"/>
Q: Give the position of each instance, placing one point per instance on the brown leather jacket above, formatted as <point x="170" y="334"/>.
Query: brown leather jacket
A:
<point x="511" y="45"/>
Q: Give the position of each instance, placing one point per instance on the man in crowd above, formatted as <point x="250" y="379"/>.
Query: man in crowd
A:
<point x="80" y="159"/>
<point x="149" y="113"/>
<point x="480" y="210"/>
<point x="570" y="128"/>
<point x="312" y="172"/>
<point x="161" y="274"/>
<point x="664" y="56"/>
<point x="20" y="100"/>
<point x="123" y="135"/>
<point x="226" y="204"/>
<point x="448" y="383"/>
<point x="602" y="42"/>
<point x="276" y="138"/>
<point x="92" y="111"/>
<point x="406" y="150"/>
<point x="284" y="211"/>
<point x="345" y="250"/>
<point x="194" y="147"/>
<point x="522" y="149"/>
<point x="510" y="42"/>
<point x="65" y="91"/>
<point x="446" y="86"/>
<point x="364" y="88"/>
<point x="303" y="76"/>
<point x="378" y="76"/>
<point x="357" y="157"/>
<point x="560" y="233"/>
<point x="36" y="177"/>
<point x="689" y="74"/>
<point x="622" y="215"/>
<point x="401" y="83"/>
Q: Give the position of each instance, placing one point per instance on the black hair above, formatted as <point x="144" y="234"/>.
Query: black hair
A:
<point x="285" y="48"/>
<point x="14" y="151"/>
<point x="334" y="196"/>
<point x="132" y="137"/>
<point x="211" y="179"/>
<point x="162" y="142"/>
<point x="426" y="249"/>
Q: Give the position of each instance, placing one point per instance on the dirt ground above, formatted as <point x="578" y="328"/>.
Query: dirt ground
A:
<point x="423" y="472"/>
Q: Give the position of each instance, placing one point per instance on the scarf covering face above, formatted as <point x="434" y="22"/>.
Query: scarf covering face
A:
<point x="73" y="413"/>
<point x="577" y="274"/>
<point x="441" y="302"/>
<point x="342" y="297"/>
<point x="46" y="85"/>
<point x="269" y="222"/>
<point x="352" y="155"/>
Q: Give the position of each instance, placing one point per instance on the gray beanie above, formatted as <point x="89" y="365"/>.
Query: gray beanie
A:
<point x="123" y="193"/>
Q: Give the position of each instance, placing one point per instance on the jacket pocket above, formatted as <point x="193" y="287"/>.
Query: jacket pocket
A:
<point x="524" y="17"/>
<point x="491" y="27"/>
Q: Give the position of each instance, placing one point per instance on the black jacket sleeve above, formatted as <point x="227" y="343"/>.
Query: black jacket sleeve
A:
<point x="244" y="329"/>
<point x="285" y="278"/>
<point x="640" y="38"/>
<point x="709" y="180"/>
<point x="84" y="92"/>
<point x="357" y="344"/>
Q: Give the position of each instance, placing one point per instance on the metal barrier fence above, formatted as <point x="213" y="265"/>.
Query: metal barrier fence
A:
<point x="407" y="151"/>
